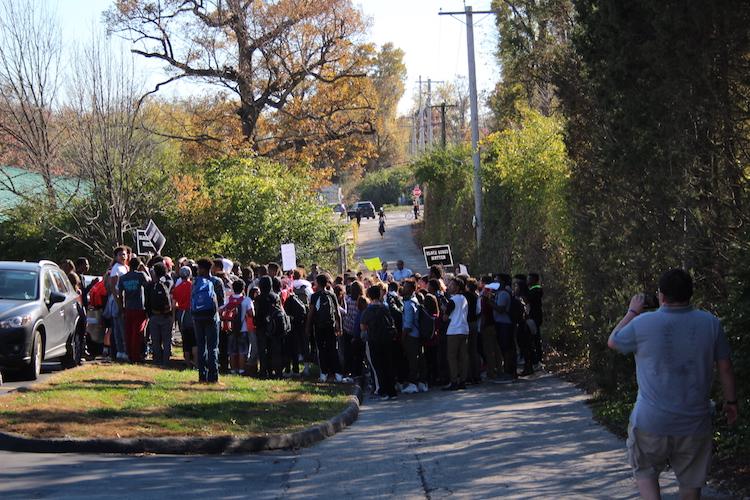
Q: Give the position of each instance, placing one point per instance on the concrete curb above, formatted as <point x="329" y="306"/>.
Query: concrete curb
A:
<point x="189" y="445"/>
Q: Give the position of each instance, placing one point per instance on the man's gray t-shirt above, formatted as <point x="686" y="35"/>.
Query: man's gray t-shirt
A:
<point x="502" y="299"/>
<point x="675" y="350"/>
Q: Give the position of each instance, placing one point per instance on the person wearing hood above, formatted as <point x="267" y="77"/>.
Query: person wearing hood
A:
<point x="265" y="301"/>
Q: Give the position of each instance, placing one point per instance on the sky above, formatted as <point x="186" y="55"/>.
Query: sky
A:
<point x="434" y="45"/>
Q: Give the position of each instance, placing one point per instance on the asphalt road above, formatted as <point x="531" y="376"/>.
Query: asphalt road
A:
<point x="397" y="242"/>
<point x="534" y="438"/>
<point x="12" y="381"/>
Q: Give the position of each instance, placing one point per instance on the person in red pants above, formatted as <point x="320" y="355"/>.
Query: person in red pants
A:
<point x="131" y="293"/>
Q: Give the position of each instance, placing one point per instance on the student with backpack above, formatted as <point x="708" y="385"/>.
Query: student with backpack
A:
<point x="412" y="341"/>
<point x="296" y="308"/>
<point x="324" y="321"/>
<point x="204" y="308"/>
<point x="520" y="316"/>
<point x="161" y="314"/>
<point x="457" y="335"/>
<point x="379" y="329"/>
<point x="501" y="306"/>
<point x="181" y="294"/>
<point x="234" y="321"/>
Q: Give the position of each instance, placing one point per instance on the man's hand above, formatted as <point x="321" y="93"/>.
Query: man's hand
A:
<point x="732" y="412"/>
<point x="636" y="303"/>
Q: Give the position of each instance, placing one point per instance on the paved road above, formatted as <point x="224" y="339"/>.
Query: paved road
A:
<point x="11" y="381"/>
<point x="397" y="243"/>
<point x="531" y="439"/>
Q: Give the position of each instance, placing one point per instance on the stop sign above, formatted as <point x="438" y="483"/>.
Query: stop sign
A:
<point x="416" y="191"/>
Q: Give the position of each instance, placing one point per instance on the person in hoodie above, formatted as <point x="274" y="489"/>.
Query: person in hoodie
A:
<point x="536" y="292"/>
<point x="265" y="301"/>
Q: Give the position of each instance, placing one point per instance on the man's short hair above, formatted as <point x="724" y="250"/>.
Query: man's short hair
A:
<point x="205" y="264"/>
<point x="373" y="293"/>
<point x="322" y="280"/>
<point x="81" y="261"/>
<point x="160" y="269"/>
<point x="134" y="263"/>
<point x="676" y="285"/>
<point x="238" y="286"/>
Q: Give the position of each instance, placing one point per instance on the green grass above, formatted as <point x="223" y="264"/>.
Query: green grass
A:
<point x="137" y="400"/>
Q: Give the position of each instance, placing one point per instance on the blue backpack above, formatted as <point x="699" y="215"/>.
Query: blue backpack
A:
<point x="203" y="296"/>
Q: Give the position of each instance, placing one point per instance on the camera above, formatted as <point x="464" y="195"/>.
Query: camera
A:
<point x="650" y="301"/>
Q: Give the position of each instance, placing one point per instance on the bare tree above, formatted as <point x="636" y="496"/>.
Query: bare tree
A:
<point x="30" y="52"/>
<point x="108" y="143"/>
<point x="260" y="50"/>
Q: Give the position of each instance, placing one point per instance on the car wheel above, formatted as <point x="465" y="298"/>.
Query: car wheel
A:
<point x="73" y="351"/>
<point x="32" y="371"/>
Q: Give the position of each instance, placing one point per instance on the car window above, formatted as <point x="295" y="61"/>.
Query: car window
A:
<point x="48" y="285"/>
<point x="61" y="282"/>
<point x="18" y="285"/>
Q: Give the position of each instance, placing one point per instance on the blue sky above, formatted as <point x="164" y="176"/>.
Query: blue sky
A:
<point x="435" y="46"/>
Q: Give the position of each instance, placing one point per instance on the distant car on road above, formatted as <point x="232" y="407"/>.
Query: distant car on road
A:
<point x="38" y="317"/>
<point x="365" y="208"/>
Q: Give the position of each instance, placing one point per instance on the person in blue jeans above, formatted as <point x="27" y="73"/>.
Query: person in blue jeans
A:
<point x="204" y="309"/>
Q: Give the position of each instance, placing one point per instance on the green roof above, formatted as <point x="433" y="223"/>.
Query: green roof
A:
<point x="30" y="184"/>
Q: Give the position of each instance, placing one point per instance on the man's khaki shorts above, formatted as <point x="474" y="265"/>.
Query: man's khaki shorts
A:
<point x="689" y="456"/>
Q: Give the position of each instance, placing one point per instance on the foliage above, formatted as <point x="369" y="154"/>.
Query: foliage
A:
<point x="525" y="175"/>
<point x="246" y="208"/>
<point x="386" y="186"/>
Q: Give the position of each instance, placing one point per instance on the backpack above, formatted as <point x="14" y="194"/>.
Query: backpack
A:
<point x="325" y="310"/>
<point x="231" y="315"/>
<point x="517" y="311"/>
<point x="296" y="310"/>
<point x="158" y="298"/>
<point x="396" y="308"/>
<point x="384" y="328"/>
<point x="277" y="322"/>
<point x="301" y="294"/>
<point x="203" y="296"/>
<point x="426" y="323"/>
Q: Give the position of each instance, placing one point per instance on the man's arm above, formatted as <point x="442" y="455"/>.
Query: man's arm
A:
<point x="310" y="316"/>
<point x="337" y="316"/>
<point x="635" y="308"/>
<point x="726" y="377"/>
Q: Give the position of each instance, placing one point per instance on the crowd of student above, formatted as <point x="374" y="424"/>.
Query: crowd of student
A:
<point x="400" y="330"/>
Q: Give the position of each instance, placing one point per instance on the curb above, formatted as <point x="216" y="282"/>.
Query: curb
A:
<point x="186" y="445"/>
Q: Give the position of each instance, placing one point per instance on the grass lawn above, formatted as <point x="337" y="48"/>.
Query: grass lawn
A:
<point x="139" y="401"/>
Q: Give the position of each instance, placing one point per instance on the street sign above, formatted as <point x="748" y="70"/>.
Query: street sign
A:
<point x="157" y="238"/>
<point x="416" y="192"/>
<point x="438" y="255"/>
<point x="143" y="244"/>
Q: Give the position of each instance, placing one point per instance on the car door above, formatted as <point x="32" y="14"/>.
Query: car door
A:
<point x="71" y="302"/>
<point x="54" y="320"/>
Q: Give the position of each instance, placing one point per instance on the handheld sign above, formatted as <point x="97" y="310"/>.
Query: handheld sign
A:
<point x="288" y="257"/>
<point x="143" y="244"/>
<point x="155" y="235"/>
<point x="373" y="264"/>
<point x="438" y="255"/>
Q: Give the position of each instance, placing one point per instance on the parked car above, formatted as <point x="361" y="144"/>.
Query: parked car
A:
<point x="365" y="208"/>
<point x="39" y="312"/>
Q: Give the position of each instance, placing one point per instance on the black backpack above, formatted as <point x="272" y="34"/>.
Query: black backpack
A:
<point x="325" y="310"/>
<point x="296" y="310"/>
<point x="426" y="323"/>
<point x="517" y="311"/>
<point x="385" y="326"/>
<point x="158" y="298"/>
<point x="396" y="308"/>
<point x="277" y="322"/>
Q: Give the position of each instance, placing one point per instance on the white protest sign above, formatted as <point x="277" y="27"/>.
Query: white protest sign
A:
<point x="462" y="269"/>
<point x="288" y="257"/>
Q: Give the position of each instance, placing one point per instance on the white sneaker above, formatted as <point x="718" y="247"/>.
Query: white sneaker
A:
<point x="338" y="377"/>
<point x="423" y="387"/>
<point x="348" y="380"/>
<point x="323" y="377"/>
<point x="410" y="389"/>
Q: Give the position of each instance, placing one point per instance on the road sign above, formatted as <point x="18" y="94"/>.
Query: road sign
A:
<point x="438" y="255"/>
<point x="143" y="244"/>
<point x="416" y="192"/>
<point x="157" y="238"/>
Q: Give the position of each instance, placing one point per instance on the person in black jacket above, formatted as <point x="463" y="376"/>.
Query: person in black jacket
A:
<point x="263" y="305"/>
<point x="379" y="329"/>
<point x="535" y="314"/>
<point x="324" y="321"/>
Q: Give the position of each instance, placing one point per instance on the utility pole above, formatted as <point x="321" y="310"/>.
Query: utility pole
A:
<point x="429" y="110"/>
<point x="421" y="118"/>
<point x="443" y="136"/>
<point x="469" y="13"/>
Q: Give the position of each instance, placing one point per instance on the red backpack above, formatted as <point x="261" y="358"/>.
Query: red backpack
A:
<point x="231" y="315"/>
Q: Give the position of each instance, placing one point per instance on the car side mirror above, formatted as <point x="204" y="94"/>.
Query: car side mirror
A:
<point x="56" y="298"/>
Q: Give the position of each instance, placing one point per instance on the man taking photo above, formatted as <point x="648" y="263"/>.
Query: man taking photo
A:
<point x="676" y="348"/>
